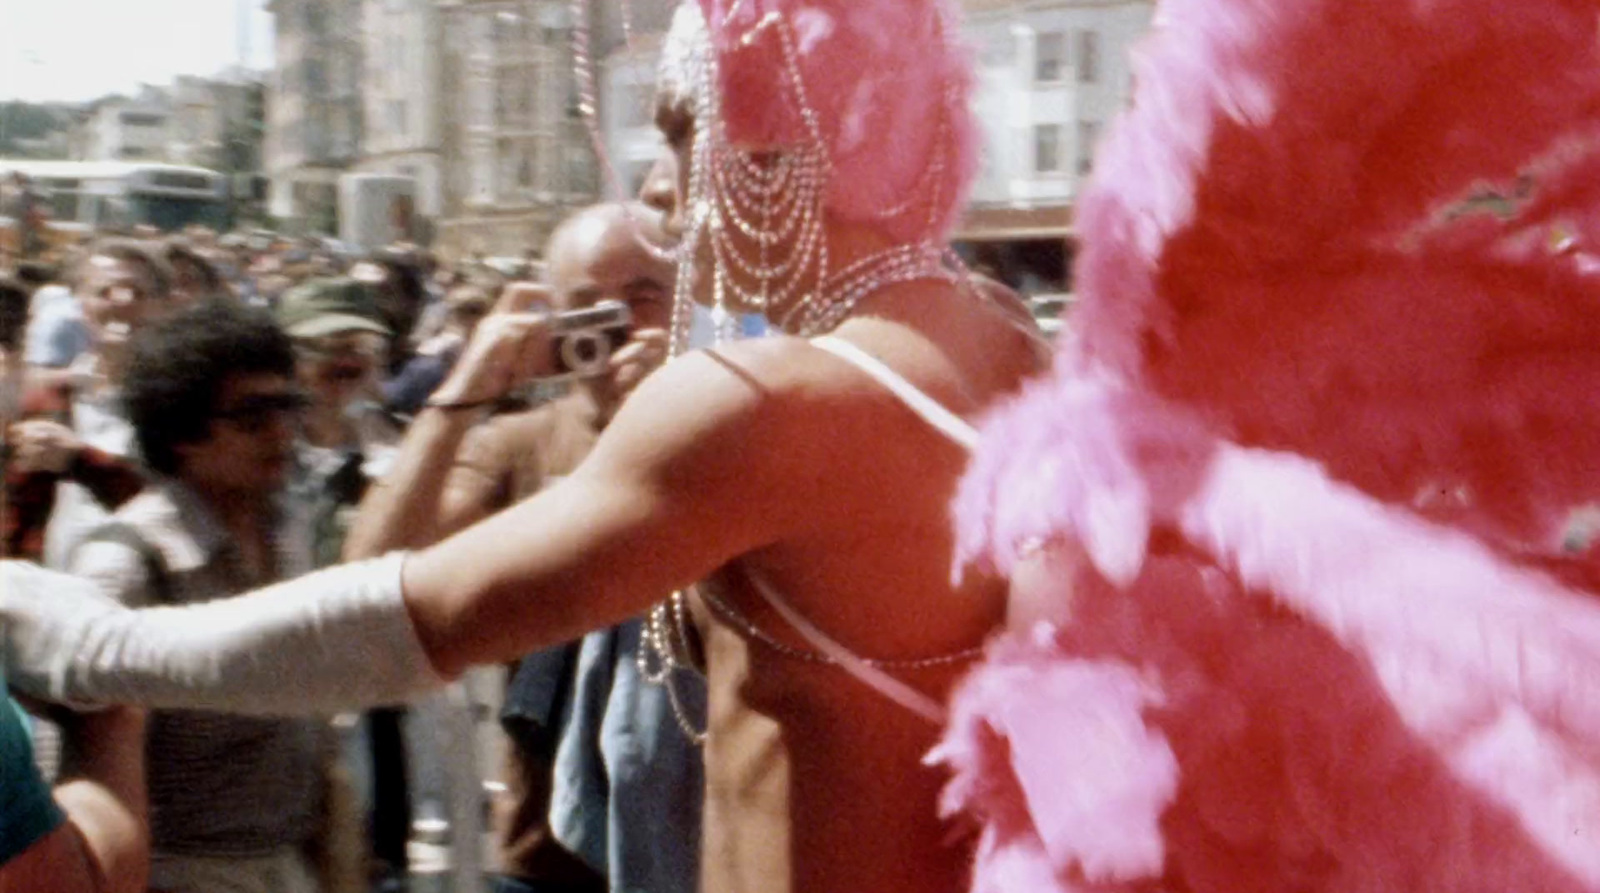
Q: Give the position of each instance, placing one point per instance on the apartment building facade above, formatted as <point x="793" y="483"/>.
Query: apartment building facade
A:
<point x="315" y="109"/>
<point x="1052" y="75"/>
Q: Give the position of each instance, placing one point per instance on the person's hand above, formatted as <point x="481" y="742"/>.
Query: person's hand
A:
<point x="510" y="346"/>
<point x="44" y="446"/>
<point x="644" y="352"/>
<point x="441" y="344"/>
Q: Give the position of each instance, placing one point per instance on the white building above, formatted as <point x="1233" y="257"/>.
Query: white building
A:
<point x="521" y="153"/>
<point x="119" y="129"/>
<point x="198" y="125"/>
<point x="314" y="108"/>
<point x="523" y="159"/>
<point x="403" y="98"/>
<point x="216" y="122"/>
<point x="1052" y="75"/>
<point x="627" y="110"/>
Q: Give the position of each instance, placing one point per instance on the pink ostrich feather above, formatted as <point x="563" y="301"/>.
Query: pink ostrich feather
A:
<point x="1302" y="469"/>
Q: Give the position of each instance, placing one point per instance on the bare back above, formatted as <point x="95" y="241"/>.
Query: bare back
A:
<point x="808" y="767"/>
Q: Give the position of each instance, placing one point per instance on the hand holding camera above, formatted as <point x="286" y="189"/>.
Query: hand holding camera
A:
<point x="509" y="347"/>
<point x="522" y="341"/>
<point x="644" y="352"/>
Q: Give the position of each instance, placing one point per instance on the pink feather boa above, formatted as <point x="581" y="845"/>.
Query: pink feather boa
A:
<point x="1277" y="512"/>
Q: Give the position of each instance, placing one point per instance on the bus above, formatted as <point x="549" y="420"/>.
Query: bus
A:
<point x="90" y="196"/>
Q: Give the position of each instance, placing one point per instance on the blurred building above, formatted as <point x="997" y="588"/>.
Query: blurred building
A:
<point x="120" y="128"/>
<point x="628" y="104"/>
<point x="403" y="97"/>
<point x="217" y="123"/>
<point x="1052" y="75"/>
<point x="315" y="109"/>
<point x="520" y="157"/>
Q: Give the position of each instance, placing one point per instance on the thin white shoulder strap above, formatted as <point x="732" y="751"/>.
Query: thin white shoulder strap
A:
<point x="930" y="410"/>
<point x="886" y="685"/>
<point x="947" y="423"/>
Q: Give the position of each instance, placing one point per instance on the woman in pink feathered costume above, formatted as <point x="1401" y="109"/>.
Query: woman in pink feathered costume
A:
<point x="1292" y="610"/>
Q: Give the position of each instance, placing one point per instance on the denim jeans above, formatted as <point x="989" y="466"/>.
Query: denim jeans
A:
<point x="628" y="782"/>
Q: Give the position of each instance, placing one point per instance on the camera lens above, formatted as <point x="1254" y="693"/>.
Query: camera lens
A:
<point x="584" y="353"/>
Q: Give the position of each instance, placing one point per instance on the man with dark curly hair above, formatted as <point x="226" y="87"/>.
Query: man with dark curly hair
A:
<point x="235" y="802"/>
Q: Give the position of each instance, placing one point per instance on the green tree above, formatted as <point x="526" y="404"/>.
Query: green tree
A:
<point x="21" y="121"/>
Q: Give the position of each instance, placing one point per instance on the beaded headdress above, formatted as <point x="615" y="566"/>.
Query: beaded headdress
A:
<point x="805" y="110"/>
<point x="855" y="110"/>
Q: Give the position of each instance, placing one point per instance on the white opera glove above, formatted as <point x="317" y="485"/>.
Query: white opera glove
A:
<point x="335" y="640"/>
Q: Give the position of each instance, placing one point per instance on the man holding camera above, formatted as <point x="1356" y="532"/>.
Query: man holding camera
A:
<point x="623" y="752"/>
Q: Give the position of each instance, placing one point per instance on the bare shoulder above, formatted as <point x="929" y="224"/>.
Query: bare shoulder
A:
<point x="761" y="381"/>
<point x="705" y="414"/>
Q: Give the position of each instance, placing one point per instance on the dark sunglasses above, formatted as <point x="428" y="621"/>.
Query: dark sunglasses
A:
<point x="254" y="413"/>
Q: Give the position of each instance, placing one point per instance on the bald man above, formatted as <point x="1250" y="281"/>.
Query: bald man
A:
<point x="599" y="769"/>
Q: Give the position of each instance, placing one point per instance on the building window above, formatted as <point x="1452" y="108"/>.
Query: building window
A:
<point x="1050" y="57"/>
<point x="639" y="105"/>
<point x="579" y="173"/>
<point x="316" y="77"/>
<point x="319" y="134"/>
<point x="522" y="87"/>
<point x="142" y="119"/>
<point x="1088" y="137"/>
<point x="397" y="60"/>
<point x="508" y="167"/>
<point x="513" y="102"/>
<point x="397" y="117"/>
<point x="996" y="49"/>
<point x="1047" y="148"/>
<point x="1088" y="57"/>
<point x="511" y="32"/>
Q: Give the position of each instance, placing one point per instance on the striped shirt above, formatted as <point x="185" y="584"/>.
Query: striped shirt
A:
<point x="220" y="785"/>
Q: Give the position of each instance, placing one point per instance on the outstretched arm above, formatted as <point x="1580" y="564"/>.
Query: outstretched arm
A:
<point x="334" y="640"/>
<point x="682" y="481"/>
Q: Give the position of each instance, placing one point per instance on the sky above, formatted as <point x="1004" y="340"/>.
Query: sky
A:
<point x="74" y="50"/>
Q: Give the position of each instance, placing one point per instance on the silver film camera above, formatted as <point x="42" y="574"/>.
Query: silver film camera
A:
<point x="582" y="341"/>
